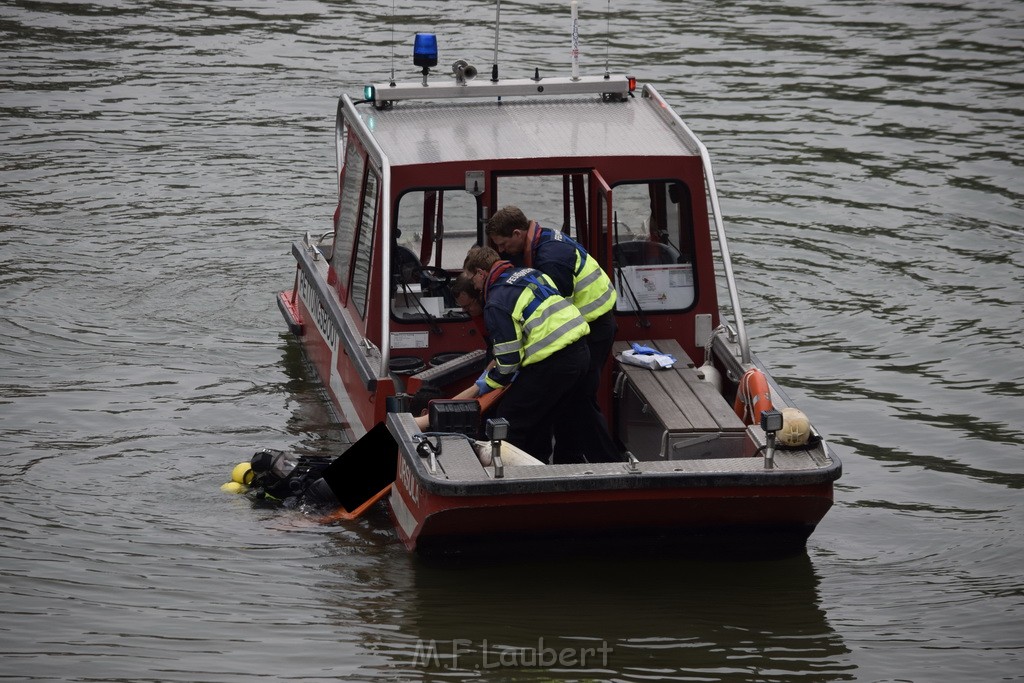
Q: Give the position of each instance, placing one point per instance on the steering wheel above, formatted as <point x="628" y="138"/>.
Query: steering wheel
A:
<point x="436" y="282"/>
<point x="433" y="274"/>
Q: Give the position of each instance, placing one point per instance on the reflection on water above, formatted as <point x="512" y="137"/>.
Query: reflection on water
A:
<point x="312" y="414"/>
<point x="629" y="619"/>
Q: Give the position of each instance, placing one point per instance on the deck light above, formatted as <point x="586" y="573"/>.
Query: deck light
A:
<point x="771" y="422"/>
<point x="424" y="50"/>
<point x="496" y="429"/>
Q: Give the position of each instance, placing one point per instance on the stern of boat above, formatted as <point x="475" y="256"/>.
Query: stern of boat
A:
<point x="450" y="495"/>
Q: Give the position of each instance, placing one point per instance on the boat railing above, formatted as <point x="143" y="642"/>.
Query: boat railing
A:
<point x="313" y="244"/>
<point x="686" y="134"/>
<point x="348" y="116"/>
<point x="610" y="86"/>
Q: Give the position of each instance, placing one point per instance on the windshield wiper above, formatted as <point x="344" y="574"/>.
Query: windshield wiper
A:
<point x="640" y="315"/>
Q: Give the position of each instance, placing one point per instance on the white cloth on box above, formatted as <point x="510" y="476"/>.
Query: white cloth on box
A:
<point x="651" y="361"/>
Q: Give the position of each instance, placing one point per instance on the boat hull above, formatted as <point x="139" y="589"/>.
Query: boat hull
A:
<point x="672" y="506"/>
<point x="673" y="520"/>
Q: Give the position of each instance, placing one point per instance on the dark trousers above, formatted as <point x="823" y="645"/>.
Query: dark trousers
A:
<point x="547" y="393"/>
<point x="599" y="341"/>
<point x="594" y="443"/>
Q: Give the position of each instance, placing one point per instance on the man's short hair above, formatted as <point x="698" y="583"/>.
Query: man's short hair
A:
<point x="505" y="220"/>
<point x="463" y="284"/>
<point x="480" y="258"/>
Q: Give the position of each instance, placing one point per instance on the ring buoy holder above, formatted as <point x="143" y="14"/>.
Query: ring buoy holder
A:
<point x="753" y="397"/>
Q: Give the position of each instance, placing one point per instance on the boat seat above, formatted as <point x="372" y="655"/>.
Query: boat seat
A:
<point x="406" y="265"/>
<point x="673" y="413"/>
<point x="679" y="397"/>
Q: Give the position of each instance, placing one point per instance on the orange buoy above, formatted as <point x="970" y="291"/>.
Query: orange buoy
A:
<point x="752" y="397"/>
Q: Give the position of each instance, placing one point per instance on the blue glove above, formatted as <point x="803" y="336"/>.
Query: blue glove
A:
<point x="639" y="350"/>
<point x="644" y="350"/>
<point x="481" y="383"/>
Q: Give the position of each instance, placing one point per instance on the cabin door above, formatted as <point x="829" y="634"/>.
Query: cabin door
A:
<point x="601" y="216"/>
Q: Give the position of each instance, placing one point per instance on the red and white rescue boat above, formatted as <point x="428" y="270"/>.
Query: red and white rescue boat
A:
<point x="421" y="166"/>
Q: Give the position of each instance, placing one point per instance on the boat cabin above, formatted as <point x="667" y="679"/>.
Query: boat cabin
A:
<point x="418" y="177"/>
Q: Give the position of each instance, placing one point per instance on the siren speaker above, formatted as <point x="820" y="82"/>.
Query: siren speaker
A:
<point x="464" y="71"/>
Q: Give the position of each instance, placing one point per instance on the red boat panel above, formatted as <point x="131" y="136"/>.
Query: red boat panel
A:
<point x="682" y="512"/>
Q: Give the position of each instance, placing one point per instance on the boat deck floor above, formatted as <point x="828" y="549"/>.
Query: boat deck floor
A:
<point x="685" y="425"/>
<point x="458" y="462"/>
<point x="790" y="460"/>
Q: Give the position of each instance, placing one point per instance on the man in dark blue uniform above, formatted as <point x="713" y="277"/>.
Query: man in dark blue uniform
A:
<point x="580" y="278"/>
<point x="537" y="337"/>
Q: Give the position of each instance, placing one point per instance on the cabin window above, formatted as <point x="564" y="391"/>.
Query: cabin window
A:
<point x="436" y="227"/>
<point x="652" y="250"/>
<point x="652" y="238"/>
<point x="364" y="243"/>
<point x="349" y="206"/>
<point x="555" y="201"/>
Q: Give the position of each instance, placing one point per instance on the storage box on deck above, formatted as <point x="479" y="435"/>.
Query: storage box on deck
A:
<point x="450" y="415"/>
<point x="673" y="415"/>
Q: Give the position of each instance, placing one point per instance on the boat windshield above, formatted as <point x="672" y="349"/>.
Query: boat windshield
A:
<point x="652" y="240"/>
<point x="652" y="247"/>
<point x="652" y="233"/>
<point x="436" y="227"/>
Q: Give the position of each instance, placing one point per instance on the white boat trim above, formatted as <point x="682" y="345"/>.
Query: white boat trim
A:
<point x="616" y="86"/>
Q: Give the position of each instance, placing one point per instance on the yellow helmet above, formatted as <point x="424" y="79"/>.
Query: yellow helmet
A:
<point x="796" y="428"/>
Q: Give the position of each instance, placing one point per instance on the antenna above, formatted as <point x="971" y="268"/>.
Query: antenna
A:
<point x="607" y="37"/>
<point x="497" y="26"/>
<point x="392" y="42"/>
<point x="574" y="7"/>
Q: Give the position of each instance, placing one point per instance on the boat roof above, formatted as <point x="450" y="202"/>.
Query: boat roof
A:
<point x="419" y="132"/>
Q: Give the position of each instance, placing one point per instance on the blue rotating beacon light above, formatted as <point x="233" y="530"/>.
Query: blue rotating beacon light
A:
<point x="424" y="52"/>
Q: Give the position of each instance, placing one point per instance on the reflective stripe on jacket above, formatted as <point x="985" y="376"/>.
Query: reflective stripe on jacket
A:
<point x="528" y="320"/>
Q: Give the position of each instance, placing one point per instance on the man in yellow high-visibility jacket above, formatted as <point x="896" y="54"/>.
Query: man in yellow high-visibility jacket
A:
<point x="537" y="337"/>
<point x="578" y="277"/>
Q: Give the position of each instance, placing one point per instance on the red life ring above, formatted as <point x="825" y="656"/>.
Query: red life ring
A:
<point x="752" y="397"/>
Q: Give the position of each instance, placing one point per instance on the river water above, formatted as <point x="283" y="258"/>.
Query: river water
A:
<point x="158" y="158"/>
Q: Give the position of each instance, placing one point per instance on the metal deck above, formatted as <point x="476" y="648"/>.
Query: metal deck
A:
<point x="458" y="463"/>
